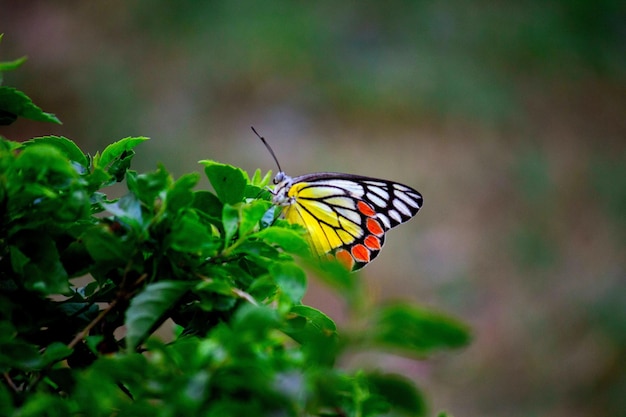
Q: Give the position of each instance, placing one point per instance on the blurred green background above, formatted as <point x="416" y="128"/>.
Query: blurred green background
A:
<point x="510" y="118"/>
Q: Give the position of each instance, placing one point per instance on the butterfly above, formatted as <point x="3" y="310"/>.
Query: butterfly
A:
<point x="345" y="215"/>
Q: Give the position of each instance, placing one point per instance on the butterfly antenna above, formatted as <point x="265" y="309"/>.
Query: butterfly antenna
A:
<point x="269" y="148"/>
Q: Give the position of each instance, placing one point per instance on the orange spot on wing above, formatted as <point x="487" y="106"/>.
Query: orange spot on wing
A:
<point x="366" y="209"/>
<point x="372" y="242"/>
<point x="345" y="258"/>
<point x="360" y="253"/>
<point x="374" y="227"/>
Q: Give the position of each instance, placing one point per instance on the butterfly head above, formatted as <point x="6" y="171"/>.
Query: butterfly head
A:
<point x="280" y="177"/>
<point x="283" y="183"/>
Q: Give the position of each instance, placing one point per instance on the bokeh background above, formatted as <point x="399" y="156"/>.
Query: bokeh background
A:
<point x="509" y="116"/>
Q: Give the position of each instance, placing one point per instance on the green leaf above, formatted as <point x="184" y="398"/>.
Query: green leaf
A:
<point x="149" y="186"/>
<point x="43" y="272"/>
<point x="218" y="286"/>
<point x="64" y="145"/>
<point x="45" y="188"/>
<point x="15" y="353"/>
<point x="289" y="240"/>
<point x="316" y="319"/>
<point x="47" y="405"/>
<point x="55" y="352"/>
<point x="400" y="392"/>
<point x="6" y="403"/>
<point x="180" y="195"/>
<point x="189" y="234"/>
<point x="251" y="214"/>
<point x="255" y="320"/>
<point x="18" y="260"/>
<point x="12" y="65"/>
<point x="15" y="102"/>
<point x="208" y="203"/>
<point x="315" y="331"/>
<point x="290" y="279"/>
<point x="256" y="193"/>
<point x="257" y="248"/>
<point x="18" y="354"/>
<point x="230" y="219"/>
<point x="97" y="179"/>
<point x="36" y="204"/>
<point x="127" y="210"/>
<point x="148" y="307"/>
<point x="117" y="150"/>
<point x="116" y="158"/>
<point x="106" y="247"/>
<point x="259" y="181"/>
<point x="37" y="162"/>
<point x="416" y="330"/>
<point x="229" y="182"/>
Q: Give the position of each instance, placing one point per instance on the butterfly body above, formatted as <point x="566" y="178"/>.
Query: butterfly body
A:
<point x="345" y="215"/>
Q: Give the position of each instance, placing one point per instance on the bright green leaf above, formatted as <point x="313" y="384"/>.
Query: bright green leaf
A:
<point x="149" y="186"/>
<point x="45" y="163"/>
<point x="251" y="214"/>
<point x="15" y="102"/>
<point x="64" y="145"/>
<point x="219" y="286"/>
<point x="98" y="178"/>
<point x="289" y="240"/>
<point x="290" y="279"/>
<point x="261" y="181"/>
<point x="55" y="352"/>
<point x="257" y="248"/>
<point x="318" y="320"/>
<point x="127" y="210"/>
<point x="117" y="150"/>
<point x="208" y="203"/>
<point x="148" y="307"/>
<point x="315" y="331"/>
<point x="180" y="195"/>
<point x="189" y="234"/>
<point x="257" y="193"/>
<point x="416" y="330"/>
<point x="106" y="247"/>
<point x="12" y="65"/>
<point x="229" y="182"/>
<point x="256" y="320"/>
<point x="230" y="219"/>
<point x="400" y="392"/>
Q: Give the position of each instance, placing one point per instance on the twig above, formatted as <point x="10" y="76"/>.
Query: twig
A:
<point x="7" y="377"/>
<point x="91" y="325"/>
<point x="107" y="310"/>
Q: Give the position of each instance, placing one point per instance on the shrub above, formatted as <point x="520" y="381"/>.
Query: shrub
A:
<point x="86" y="281"/>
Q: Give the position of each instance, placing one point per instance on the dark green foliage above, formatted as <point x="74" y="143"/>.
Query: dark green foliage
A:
<point x="14" y="103"/>
<point x="85" y="282"/>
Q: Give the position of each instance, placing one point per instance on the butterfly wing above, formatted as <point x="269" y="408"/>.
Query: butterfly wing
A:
<point x="348" y="215"/>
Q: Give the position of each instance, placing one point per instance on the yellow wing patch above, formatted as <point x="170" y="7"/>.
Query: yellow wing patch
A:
<point x="328" y="226"/>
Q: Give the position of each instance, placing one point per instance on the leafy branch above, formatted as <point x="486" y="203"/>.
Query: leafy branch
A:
<point x="87" y="281"/>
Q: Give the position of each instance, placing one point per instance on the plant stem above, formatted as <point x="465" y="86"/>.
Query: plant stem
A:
<point x="80" y="336"/>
